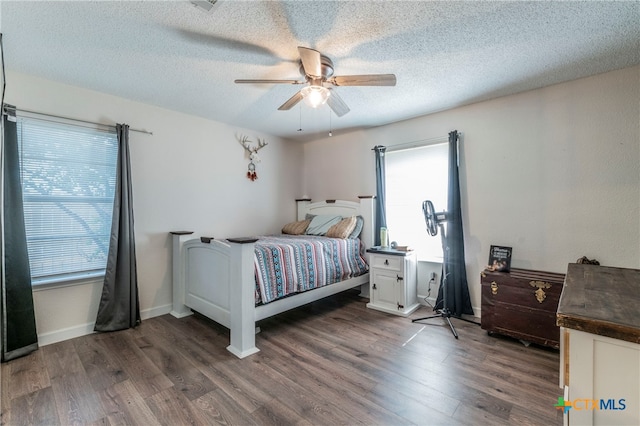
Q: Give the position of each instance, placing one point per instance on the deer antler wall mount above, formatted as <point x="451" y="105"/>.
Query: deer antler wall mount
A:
<point x="252" y="150"/>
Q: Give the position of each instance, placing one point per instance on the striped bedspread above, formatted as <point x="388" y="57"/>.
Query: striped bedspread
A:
<point x="288" y="264"/>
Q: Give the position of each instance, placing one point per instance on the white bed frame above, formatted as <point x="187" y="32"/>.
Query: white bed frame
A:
<point x="217" y="279"/>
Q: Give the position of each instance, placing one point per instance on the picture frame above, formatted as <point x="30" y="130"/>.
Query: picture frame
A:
<point x="499" y="259"/>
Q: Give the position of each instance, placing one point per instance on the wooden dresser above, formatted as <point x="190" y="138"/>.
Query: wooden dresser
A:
<point x="522" y="303"/>
<point x="599" y="313"/>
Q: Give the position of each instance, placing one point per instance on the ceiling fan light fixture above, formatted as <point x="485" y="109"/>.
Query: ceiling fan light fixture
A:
<point x="314" y="96"/>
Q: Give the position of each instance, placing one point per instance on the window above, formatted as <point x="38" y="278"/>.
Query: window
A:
<point x="412" y="176"/>
<point x="68" y="184"/>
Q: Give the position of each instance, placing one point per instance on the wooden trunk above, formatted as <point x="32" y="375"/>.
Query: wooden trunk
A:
<point x="522" y="303"/>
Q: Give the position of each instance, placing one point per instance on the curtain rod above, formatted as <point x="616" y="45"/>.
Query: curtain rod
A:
<point x="419" y="143"/>
<point x="80" y="121"/>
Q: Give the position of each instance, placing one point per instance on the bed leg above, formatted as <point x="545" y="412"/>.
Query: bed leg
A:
<point x="179" y="309"/>
<point x="242" y="301"/>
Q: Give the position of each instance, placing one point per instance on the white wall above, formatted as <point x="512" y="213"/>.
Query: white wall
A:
<point x="190" y="175"/>
<point x="553" y="173"/>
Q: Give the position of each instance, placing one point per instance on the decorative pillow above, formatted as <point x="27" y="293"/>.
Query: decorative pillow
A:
<point x="342" y="229"/>
<point x="321" y="223"/>
<point x="296" y="228"/>
<point x="358" y="228"/>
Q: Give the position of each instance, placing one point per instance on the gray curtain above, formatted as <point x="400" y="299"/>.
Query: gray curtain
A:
<point x="381" y="213"/>
<point x="457" y="287"/>
<point x="19" y="335"/>
<point x="119" y="307"/>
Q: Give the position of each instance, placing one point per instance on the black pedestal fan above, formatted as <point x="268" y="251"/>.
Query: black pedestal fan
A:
<point x="434" y="221"/>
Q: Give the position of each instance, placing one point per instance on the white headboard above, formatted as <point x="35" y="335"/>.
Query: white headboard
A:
<point x="365" y="208"/>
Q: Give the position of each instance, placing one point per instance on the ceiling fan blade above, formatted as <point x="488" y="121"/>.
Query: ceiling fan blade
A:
<point x="240" y="81"/>
<point x="224" y="43"/>
<point x="364" y="80"/>
<point x="311" y="61"/>
<point x="336" y="103"/>
<point x="291" y="102"/>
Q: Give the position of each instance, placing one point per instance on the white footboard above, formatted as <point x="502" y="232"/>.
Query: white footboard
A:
<point x="202" y="282"/>
<point x="217" y="279"/>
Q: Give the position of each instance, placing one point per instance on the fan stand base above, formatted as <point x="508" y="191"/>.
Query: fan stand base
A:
<point x="432" y="219"/>
<point x="446" y="314"/>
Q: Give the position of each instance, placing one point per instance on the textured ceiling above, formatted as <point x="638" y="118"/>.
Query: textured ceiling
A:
<point x="444" y="54"/>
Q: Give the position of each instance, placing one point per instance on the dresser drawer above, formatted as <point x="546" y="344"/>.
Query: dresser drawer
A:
<point x="528" y="324"/>
<point x="535" y="294"/>
<point x="393" y="263"/>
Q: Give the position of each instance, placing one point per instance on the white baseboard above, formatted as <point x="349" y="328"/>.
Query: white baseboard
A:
<point x="155" y="312"/>
<point x="56" y="336"/>
<point x="421" y="300"/>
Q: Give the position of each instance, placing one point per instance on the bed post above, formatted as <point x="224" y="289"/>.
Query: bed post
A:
<point x="367" y="210"/>
<point x="302" y="205"/>
<point x="242" y="315"/>
<point x="179" y="309"/>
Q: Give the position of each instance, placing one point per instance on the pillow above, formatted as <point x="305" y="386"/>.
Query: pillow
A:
<point x="296" y="228"/>
<point x="342" y="229"/>
<point x="358" y="228"/>
<point x="321" y="223"/>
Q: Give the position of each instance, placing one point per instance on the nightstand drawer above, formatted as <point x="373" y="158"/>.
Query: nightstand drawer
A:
<point x="393" y="263"/>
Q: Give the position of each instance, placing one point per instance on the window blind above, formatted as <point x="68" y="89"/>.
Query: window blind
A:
<point x="412" y="176"/>
<point x="68" y="184"/>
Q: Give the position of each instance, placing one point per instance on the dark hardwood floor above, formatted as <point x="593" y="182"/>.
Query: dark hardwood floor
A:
<point x="333" y="362"/>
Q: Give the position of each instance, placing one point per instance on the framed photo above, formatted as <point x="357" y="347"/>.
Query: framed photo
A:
<point x="499" y="259"/>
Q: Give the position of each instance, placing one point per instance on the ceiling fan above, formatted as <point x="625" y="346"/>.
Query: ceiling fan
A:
<point x="317" y="70"/>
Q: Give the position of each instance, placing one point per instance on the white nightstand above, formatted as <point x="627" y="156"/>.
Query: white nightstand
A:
<point x="393" y="281"/>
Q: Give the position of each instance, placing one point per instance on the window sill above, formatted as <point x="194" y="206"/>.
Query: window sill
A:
<point x="430" y="259"/>
<point x="67" y="281"/>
